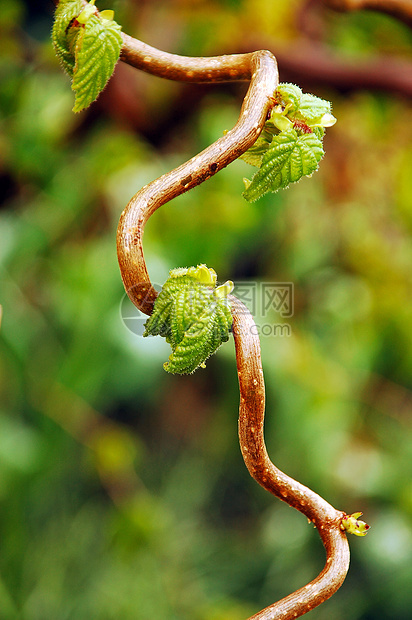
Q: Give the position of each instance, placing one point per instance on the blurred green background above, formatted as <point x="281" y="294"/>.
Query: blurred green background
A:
<point x="123" y="494"/>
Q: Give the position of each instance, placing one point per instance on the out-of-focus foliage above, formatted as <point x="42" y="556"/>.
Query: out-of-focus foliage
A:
<point x="122" y="489"/>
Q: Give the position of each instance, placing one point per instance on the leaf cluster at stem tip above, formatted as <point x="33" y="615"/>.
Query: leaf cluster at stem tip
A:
<point x="291" y="143"/>
<point x="353" y="525"/>
<point x="193" y="315"/>
<point x="88" y="44"/>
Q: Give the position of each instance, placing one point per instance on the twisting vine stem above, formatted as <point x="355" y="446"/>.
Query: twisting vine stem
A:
<point x="260" y="69"/>
<point x="326" y="518"/>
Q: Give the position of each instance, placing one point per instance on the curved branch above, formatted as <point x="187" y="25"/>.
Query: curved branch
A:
<point x="316" y="63"/>
<point x="260" y="68"/>
<point x="185" y="68"/>
<point x="400" y="9"/>
<point x="326" y="518"/>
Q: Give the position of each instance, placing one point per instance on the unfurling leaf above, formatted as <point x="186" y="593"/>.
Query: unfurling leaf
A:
<point x="289" y="158"/>
<point x="353" y="525"/>
<point x="312" y="108"/>
<point x="288" y="96"/>
<point x="290" y="145"/>
<point x="254" y="155"/>
<point x="97" y="51"/>
<point x="192" y="315"/>
<point x="87" y="12"/>
<point x="66" y="12"/>
<point x="88" y="44"/>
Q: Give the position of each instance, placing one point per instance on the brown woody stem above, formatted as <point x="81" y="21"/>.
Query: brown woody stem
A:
<point x="252" y="444"/>
<point x="261" y="69"/>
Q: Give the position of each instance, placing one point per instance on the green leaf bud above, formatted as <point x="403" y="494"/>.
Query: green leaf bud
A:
<point x="352" y="524"/>
<point x="192" y="315"/>
<point x="312" y="108"/>
<point x="87" y="12"/>
<point x="288" y="96"/>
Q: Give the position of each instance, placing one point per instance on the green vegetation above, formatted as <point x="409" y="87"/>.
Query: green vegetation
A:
<point x="193" y="315"/>
<point x="88" y="46"/>
<point x="290" y="146"/>
<point x="123" y="493"/>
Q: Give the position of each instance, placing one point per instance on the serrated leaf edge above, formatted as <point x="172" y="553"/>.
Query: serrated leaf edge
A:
<point x="273" y="173"/>
<point x="85" y="85"/>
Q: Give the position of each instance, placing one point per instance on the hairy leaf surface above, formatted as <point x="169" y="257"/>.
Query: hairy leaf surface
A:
<point x="290" y="145"/>
<point x="97" y="51"/>
<point x="254" y="155"/>
<point x="288" y="95"/>
<point x="193" y="317"/>
<point x="289" y="158"/>
<point x="66" y="11"/>
<point x="312" y="108"/>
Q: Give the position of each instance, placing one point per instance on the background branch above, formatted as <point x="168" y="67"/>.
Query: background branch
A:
<point x="315" y="63"/>
<point x="400" y="9"/>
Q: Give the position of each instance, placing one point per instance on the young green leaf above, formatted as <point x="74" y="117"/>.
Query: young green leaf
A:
<point x="288" y="96"/>
<point x="290" y="145"/>
<point x="194" y="317"/>
<point x="97" y="51"/>
<point x="312" y="109"/>
<point x="254" y="155"/>
<point x="65" y="13"/>
<point x="289" y="158"/>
